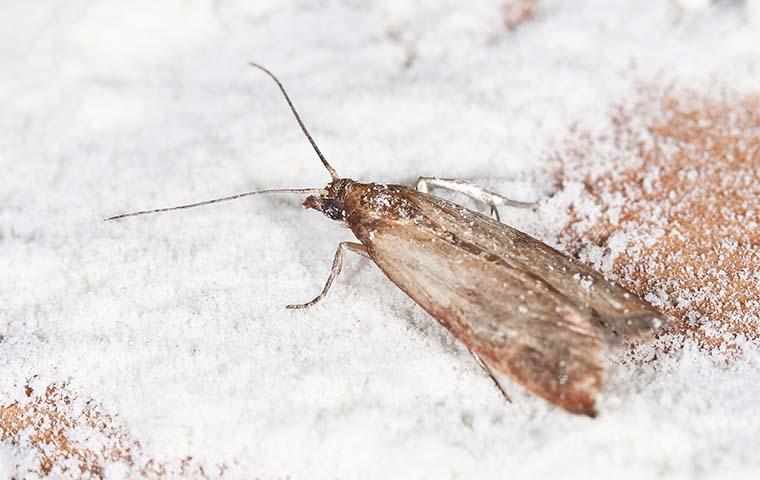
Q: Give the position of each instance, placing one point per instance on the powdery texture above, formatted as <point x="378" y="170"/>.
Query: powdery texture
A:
<point x="160" y="347"/>
<point x="669" y="206"/>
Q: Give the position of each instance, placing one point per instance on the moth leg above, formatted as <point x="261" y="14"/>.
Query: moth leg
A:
<point x="336" y="267"/>
<point x="495" y="213"/>
<point x="473" y="191"/>
<point x="490" y="374"/>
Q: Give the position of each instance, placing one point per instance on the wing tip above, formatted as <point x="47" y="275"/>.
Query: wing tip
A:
<point x="572" y="384"/>
<point x="585" y="407"/>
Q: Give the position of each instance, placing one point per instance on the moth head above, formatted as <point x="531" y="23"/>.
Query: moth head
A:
<point x="331" y="201"/>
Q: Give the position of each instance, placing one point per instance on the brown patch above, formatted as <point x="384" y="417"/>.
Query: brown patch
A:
<point x="76" y="439"/>
<point x="674" y="184"/>
<point x="516" y="12"/>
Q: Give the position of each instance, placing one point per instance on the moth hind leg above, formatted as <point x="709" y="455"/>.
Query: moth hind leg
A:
<point x="334" y="271"/>
<point x="495" y="213"/>
<point x="477" y="193"/>
<point x="489" y="373"/>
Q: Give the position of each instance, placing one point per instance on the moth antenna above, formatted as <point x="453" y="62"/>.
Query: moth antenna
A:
<point x="327" y="165"/>
<point x="307" y="191"/>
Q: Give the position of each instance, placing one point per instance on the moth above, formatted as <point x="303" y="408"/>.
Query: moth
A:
<point x="520" y="307"/>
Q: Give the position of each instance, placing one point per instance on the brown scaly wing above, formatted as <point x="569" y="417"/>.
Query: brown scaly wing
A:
<point x="525" y="309"/>
<point x="619" y="313"/>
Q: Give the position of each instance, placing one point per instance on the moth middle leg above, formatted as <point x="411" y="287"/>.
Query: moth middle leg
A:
<point x="334" y="272"/>
<point x="480" y="194"/>
<point x="490" y="374"/>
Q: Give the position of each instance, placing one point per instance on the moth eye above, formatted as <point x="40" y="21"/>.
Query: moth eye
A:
<point x="332" y="209"/>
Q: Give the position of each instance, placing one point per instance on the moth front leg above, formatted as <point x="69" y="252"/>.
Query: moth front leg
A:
<point x="336" y="268"/>
<point x="477" y="193"/>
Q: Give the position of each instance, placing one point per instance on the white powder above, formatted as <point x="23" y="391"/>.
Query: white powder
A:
<point x="175" y="324"/>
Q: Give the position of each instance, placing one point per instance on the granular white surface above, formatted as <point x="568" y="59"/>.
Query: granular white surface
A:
<point x="175" y="324"/>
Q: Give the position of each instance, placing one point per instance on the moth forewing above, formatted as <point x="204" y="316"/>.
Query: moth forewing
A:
<point x="538" y="340"/>
<point x="494" y="288"/>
